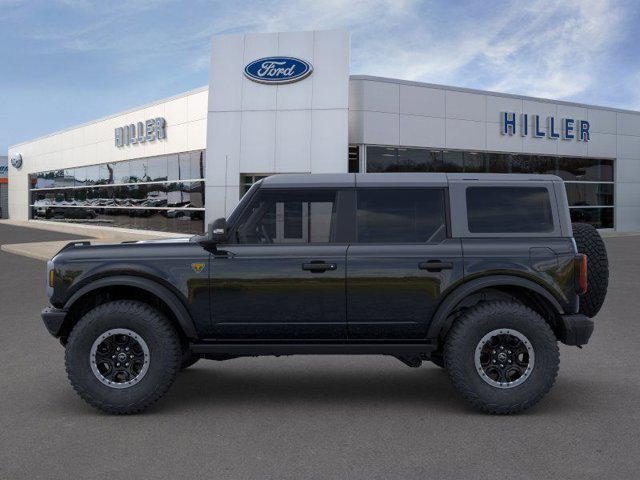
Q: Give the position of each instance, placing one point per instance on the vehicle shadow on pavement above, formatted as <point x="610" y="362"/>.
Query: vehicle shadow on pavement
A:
<point x="205" y="386"/>
<point x="216" y="385"/>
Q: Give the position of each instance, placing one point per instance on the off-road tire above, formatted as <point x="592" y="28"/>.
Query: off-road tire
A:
<point x="164" y="356"/>
<point x="464" y="337"/>
<point x="590" y="243"/>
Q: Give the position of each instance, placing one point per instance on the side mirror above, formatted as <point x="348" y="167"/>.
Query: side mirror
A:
<point x="218" y="231"/>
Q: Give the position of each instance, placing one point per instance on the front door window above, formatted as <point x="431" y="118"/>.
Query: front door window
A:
<point x="281" y="217"/>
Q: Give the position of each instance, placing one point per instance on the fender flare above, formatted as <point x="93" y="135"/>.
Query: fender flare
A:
<point x="466" y="289"/>
<point x="167" y="296"/>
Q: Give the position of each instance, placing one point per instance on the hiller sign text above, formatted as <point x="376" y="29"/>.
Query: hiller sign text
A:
<point x="525" y="124"/>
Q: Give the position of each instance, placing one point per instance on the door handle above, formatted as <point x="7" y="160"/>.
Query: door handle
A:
<point x="318" y="266"/>
<point x="435" y="266"/>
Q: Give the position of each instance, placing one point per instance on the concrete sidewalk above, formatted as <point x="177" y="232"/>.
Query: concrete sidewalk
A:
<point x="47" y="249"/>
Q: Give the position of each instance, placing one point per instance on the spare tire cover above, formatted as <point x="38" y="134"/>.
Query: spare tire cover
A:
<point x="590" y="243"/>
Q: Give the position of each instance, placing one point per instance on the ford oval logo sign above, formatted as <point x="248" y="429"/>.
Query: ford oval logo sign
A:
<point x="16" y="160"/>
<point x="278" y="70"/>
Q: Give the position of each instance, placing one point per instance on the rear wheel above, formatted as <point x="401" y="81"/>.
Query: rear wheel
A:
<point x="590" y="243"/>
<point x="502" y="357"/>
<point x="122" y="356"/>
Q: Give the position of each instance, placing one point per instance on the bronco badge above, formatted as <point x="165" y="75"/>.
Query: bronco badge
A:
<point x="197" y="267"/>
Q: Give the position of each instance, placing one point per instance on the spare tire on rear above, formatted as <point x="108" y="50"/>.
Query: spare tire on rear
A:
<point x="590" y="243"/>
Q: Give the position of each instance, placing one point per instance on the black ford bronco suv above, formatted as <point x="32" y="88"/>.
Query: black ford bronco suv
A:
<point x="480" y="274"/>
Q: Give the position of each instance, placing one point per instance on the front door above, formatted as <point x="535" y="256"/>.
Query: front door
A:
<point x="400" y="264"/>
<point x="283" y="274"/>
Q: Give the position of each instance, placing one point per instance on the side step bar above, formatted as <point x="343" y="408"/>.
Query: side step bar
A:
<point x="257" y="349"/>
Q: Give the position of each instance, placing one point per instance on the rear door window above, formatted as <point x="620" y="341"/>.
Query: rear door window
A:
<point x="401" y="215"/>
<point x="498" y="209"/>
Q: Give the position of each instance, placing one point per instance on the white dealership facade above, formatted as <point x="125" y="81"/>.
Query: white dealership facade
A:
<point x="178" y="162"/>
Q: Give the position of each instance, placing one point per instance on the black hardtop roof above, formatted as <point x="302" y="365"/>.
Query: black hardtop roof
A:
<point x="418" y="179"/>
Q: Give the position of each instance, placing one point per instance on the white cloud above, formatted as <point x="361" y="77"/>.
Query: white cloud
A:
<point x="539" y="47"/>
<point x="566" y="39"/>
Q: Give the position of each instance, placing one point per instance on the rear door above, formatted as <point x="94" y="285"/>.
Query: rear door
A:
<point x="401" y="261"/>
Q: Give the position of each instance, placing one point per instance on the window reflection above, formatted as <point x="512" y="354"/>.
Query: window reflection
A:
<point x="576" y="170"/>
<point x="121" y="172"/>
<point x="589" y="194"/>
<point x="132" y="193"/>
<point x="157" y="169"/>
<point x="598" y="217"/>
<point x="138" y="171"/>
<point x="475" y="162"/>
<point x="452" y="161"/>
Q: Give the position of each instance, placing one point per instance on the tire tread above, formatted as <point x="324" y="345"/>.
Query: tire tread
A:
<point x="164" y="329"/>
<point x="454" y="366"/>
<point x="589" y="242"/>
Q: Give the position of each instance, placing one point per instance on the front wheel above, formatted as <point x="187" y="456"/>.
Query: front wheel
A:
<point x="122" y="356"/>
<point x="502" y="357"/>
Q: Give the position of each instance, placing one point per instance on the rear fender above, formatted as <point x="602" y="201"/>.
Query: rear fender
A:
<point x="448" y="305"/>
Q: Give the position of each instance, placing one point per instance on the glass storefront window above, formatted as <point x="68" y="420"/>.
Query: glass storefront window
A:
<point x="173" y="167"/>
<point x="452" y="161"/>
<point x="475" y="162"/>
<point x="246" y="181"/>
<point x="589" y="194"/>
<point x="158" y="169"/>
<point x="80" y="176"/>
<point x="589" y="181"/>
<point x="92" y="175"/>
<point x="382" y="159"/>
<point x="354" y="159"/>
<point x="412" y="160"/>
<point x="138" y="171"/>
<point x="541" y="164"/>
<point x="105" y="174"/>
<point x="132" y="193"/>
<point x="598" y="217"/>
<point x="498" y="163"/>
<point x="121" y="172"/>
<point x="585" y="169"/>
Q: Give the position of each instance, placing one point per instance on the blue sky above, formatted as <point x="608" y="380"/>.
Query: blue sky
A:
<point x="70" y="61"/>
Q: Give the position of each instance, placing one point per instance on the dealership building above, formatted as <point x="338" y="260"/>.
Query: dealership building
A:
<point x="286" y="103"/>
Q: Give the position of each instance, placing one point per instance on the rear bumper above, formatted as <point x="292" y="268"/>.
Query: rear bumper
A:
<point x="575" y="329"/>
<point x="53" y="319"/>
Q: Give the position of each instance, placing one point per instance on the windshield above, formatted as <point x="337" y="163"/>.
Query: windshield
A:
<point x="236" y="211"/>
<point x="243" y="202"/>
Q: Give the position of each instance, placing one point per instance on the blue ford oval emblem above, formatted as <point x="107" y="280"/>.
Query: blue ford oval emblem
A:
<point x="278" y="70"/>
<point x="16" y="160"/>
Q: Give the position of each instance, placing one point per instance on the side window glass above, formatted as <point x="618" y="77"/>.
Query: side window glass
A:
<point x="289" y="216"/>
<point x="401" y="215"/>
<point x="509" y="210"/>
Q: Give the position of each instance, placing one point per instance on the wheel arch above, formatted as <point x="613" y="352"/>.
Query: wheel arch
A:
<point x="127" y="286"/>
<point x="522" y="289"/>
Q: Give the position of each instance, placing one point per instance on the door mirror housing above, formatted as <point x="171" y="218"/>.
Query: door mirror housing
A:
<point x="217" y="231"/>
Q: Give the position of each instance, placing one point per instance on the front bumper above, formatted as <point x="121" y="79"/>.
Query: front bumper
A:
<point x="53" y="319"/>
<point x="575" y="329"/>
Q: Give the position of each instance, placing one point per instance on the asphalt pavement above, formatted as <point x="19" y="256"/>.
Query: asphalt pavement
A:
<point x="312" y="417"/>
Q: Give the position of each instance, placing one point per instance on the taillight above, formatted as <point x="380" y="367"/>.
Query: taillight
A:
<point x="581" y="273"/>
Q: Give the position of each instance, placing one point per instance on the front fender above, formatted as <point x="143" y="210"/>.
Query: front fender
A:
<point x="163" y="293"/>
